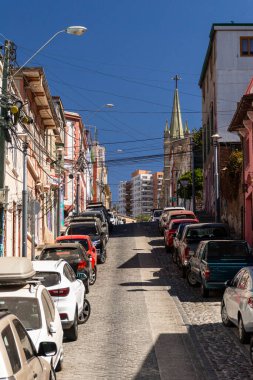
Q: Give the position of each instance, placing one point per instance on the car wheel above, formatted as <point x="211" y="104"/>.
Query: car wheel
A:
<point x="85" y="314"/>
<point x="224" y="315"/>
<point x="102" y="258"/>
<point x="72" y="333"/>
<point x="251" y="350"/>
<point x="52" y="375"/>
<point x="204" y="291"/>
<point x="243" y="335"/>
<point x="191" y="278"/>
<point x="93" y="276"/>
<point x="59" y="366"/>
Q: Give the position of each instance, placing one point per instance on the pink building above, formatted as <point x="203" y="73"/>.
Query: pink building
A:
<point x="242" y="123"/>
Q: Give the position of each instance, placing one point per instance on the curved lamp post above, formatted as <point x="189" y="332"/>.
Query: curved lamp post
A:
<point x="76" y="30"/>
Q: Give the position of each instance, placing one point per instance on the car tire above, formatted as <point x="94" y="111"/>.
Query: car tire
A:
<point x="52" y="375"/>
<point x="93" y="276"/>
<point x="72" y="333"/>
<point x="85" y="314"/>
<point x="204" y="291"/>
<point x="191" y="278"/>
<point x="243" y="335"/>
<point x="59" y="366"/>
<point x="251" y="349"/>
<point x="102" y="258"/>
<point x="224" y="315"/>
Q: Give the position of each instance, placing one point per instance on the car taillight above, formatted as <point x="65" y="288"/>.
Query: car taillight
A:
<point x="250" y="302"/>
<point x="207" y="273"/>
<point x="59" y="292"/>
<point x="63" y="315"/>
<point x="81" y="265"/>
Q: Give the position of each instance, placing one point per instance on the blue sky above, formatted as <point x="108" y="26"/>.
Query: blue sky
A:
<point x="128" y="57"/>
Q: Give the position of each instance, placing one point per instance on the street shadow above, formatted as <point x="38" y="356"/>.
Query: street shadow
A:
<point x="205" y="351"/>
<point x="147" y="229"/>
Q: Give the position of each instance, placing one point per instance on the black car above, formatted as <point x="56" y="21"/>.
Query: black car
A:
<point x="74" y="254"/>
<point x="98" y="206"/>
<point x="93" y="215"/>
<point x="93" y="229"/>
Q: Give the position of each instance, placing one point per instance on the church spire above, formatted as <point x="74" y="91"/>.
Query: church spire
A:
<point x="166" y="130"/>
<point x="176" y="124"/>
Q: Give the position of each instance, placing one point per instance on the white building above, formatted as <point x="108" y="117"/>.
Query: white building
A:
<point x="142" y="192"/>
<point x="226" y="72"/>
<point x="122" y="197"/>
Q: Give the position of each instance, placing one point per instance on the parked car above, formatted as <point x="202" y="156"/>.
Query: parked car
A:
<point x="216" y="262"/>
<point x="67" y="292"/>
<point x="176" y="241"/>
<point x="19" y="359"/>
<point x="169" y="233"/>
<point x="155" y="215"/>
<point x="193" y="234"/>
<point x="237" y="304"/>
<point x="74" y="254"/>
<point x="179" y="214"/>
<point x="97" y="236"/>
<point x="90" y="249"/>
<point x="99" y="214"/>
<point x="163" y="217"/>
<point x="99" y="206"/>
<point x="30" y="301"/>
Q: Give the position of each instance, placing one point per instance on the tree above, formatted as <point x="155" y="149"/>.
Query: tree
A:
<point x="186" y="192"/>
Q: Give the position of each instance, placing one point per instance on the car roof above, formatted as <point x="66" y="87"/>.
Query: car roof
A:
<point x="178" y="212"/>
<point x="92" y="222"/>
<point x="201" y="225"/>
<point x="48" y="265"/>
<point x="69" y="237"/>
<point x="173" y="208"/>
<point x="224" y="241"/>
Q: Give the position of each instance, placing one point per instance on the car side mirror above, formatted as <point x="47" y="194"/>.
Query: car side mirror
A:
<point x="47" y="349"/>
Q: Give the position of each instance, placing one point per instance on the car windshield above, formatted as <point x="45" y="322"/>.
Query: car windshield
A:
<point x="227" y="250"/>
<point x="82" y="230"/>
<point x="83" y="242"/>
<point x="26" y="309"/>
<point x="49" y="278"/>
<point x="67" y="253"/>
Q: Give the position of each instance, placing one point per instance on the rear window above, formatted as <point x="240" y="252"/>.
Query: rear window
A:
<point x="227" y="250"/>
<point x="207" y="233"/>
<point x="26" y="309"/>
<point x="82" y="230"/>
<point x="183" y="216"/>
<point x="49" y="278"/>
<point x="83" y="242"/>
<point x="59" y="253"/>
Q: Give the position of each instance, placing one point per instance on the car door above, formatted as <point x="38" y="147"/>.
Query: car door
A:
<point x="76" y="285"/>
<point x="32" y="368"/>
<point x="232" y="296"/>
<point x="196" y="261"/>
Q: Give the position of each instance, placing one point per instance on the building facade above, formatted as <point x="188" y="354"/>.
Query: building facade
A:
<point x="226" y="71"/>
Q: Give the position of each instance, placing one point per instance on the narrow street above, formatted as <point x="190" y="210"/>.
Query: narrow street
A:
<point x="147" y="323"/>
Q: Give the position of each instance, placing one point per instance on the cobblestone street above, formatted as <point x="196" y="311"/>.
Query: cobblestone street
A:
<point x="147" y="323"/>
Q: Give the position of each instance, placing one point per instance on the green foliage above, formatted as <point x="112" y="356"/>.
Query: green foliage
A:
<point x="186" y="192"/>
<point x="235" y="162"/>
<point x="197" y="138"/>
<point x="142" y="218"/>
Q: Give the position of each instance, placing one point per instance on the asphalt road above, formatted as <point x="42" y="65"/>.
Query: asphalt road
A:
<point x="147" y="323"/>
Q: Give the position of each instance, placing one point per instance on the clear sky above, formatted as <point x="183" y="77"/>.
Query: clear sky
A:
<point x="128" y="57"/>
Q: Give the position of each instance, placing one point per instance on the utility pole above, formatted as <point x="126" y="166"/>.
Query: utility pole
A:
<point x="24" y="201"/>
<point x="77" y="193"/>
<point x="8" y="48"/>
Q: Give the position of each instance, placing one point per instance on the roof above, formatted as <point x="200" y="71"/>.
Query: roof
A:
<point x="201" y="225"/>
<point x="183" y="212"/>
<point x="243" y="107"/>
<point x="184" y="220"/>
<point x="218" y="26"/>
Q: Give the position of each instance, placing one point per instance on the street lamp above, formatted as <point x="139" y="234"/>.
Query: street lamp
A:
<point x="76" y="30"/>
<point x="216" y="138"/>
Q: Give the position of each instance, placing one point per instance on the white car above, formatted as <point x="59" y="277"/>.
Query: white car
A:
<point x="237" y="303"/>
<point x="67" y="292"/>
<point x="33" y="305"/>
<point x="18" y="356"/>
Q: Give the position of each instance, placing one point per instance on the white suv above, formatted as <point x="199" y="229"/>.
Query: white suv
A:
<point x="30" y="301"/>
<point x="67" y="292"/>
<point x="18" y="356"/>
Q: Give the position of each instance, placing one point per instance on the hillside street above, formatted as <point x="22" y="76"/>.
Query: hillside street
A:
<point x="147" y="323"/>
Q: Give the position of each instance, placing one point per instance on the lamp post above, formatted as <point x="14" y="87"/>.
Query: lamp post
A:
<point x="216" y="138"/>
<point x="59" y="161"/>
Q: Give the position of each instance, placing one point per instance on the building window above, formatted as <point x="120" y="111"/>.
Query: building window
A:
<point x="246" y="46"/>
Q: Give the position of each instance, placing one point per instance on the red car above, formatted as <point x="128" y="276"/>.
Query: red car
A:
<point x="86" y="242"/>
<point x="169" y="232"/>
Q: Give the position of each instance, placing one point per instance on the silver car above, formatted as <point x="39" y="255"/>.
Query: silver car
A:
<point x="237" y="303"/>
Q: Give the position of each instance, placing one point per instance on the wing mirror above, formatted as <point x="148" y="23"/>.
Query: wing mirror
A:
<point x="47" y="349"/>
